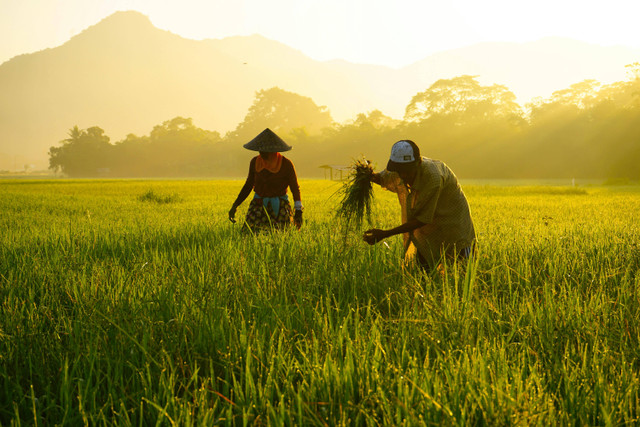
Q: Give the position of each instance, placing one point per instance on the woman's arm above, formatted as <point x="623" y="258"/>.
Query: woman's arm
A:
<point x="294" y="186"/>
<point x="248" y="184"/>
<point x="245" y="191"/>
<point x="295" y="191"/>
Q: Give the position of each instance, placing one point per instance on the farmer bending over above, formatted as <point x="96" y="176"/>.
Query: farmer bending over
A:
<point x="270" y="174"/>
<point x="436" y="220"/>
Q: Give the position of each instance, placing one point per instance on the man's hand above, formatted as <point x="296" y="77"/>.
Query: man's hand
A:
<point x="374" y="235"/>
<point x="232" y="213"/>
<point x="297" y="218"/>
<point x="375" y="178"/>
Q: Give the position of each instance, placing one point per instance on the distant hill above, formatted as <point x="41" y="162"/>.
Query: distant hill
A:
<point x="126" y="76"/>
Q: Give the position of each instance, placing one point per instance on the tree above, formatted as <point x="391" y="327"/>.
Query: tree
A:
<point x="634" y="82"/>
<point x="633" y="71"/>
<point x="282" y="111"/>
<point x="374" y="120"/>
<point x="566" y="103"/>
<point x="178" y="147"/>
<point x="462" y="100"/>
<point x="180" y="131"/>
<point x="83" y="153"/>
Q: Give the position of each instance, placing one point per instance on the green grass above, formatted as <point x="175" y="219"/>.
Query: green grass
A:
<point x="120" y="311"/>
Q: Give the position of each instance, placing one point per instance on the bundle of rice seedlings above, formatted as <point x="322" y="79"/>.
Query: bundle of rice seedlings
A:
<point x="357" y="194"/>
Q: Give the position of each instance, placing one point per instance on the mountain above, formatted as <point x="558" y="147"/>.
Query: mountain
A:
<point x="126" y="76"/>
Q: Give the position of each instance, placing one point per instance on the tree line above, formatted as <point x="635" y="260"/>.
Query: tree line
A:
<point x="588" y="130"/>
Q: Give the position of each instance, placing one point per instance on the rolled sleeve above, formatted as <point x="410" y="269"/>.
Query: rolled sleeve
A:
<point x="390" y="181"/>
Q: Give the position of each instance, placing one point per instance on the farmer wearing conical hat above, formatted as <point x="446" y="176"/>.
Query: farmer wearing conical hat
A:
<point x="270" y="174"/>
<point x="436" y="220"/>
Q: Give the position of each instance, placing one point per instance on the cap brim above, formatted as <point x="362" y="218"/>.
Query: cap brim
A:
<point x="400" y="167"/>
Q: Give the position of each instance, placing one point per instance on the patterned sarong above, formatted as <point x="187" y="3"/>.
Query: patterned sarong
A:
<point x="262" y="218"/>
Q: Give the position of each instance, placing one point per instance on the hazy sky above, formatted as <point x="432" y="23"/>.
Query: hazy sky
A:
<point x="388" y="32"/>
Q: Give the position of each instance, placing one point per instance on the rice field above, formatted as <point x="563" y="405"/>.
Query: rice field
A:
<point x="138" y="303"/>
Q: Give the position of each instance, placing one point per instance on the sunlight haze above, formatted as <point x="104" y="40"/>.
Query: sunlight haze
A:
<point x="392" y="33"/>
<point x="131" y="68"/>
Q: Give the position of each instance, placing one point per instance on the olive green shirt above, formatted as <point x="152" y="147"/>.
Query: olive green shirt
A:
<point x="434" y="198"/>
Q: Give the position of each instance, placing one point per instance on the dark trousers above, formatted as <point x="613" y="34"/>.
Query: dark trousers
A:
<point x="451" y="257"/>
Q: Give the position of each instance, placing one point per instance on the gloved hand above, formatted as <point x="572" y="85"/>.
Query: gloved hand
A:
<point x="297" y="218"/>
<point x="232" y="213"/>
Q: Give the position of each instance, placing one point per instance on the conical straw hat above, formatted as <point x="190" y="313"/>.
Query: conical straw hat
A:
<point x="268" y="142"/>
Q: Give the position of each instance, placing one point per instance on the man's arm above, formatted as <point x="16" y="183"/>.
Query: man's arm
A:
<point x="388" y="180"/>
<point x="374" y="235"/>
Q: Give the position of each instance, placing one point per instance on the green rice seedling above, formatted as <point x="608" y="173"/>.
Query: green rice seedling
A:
<point x="357" y="194"/>
<point x="151" y="196"/>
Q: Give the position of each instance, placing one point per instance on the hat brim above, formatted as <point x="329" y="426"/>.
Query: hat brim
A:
<point x="267" y="141"/>
<point x="270" y="150"/>
<point x="401" y="167"/>
<point x="267" y="149"/>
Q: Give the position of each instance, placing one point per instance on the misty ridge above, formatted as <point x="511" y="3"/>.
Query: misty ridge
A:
<point x="186" y="107"/>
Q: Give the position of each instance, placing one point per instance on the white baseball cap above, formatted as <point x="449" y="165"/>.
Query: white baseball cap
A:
<point x="404" y="154"/>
